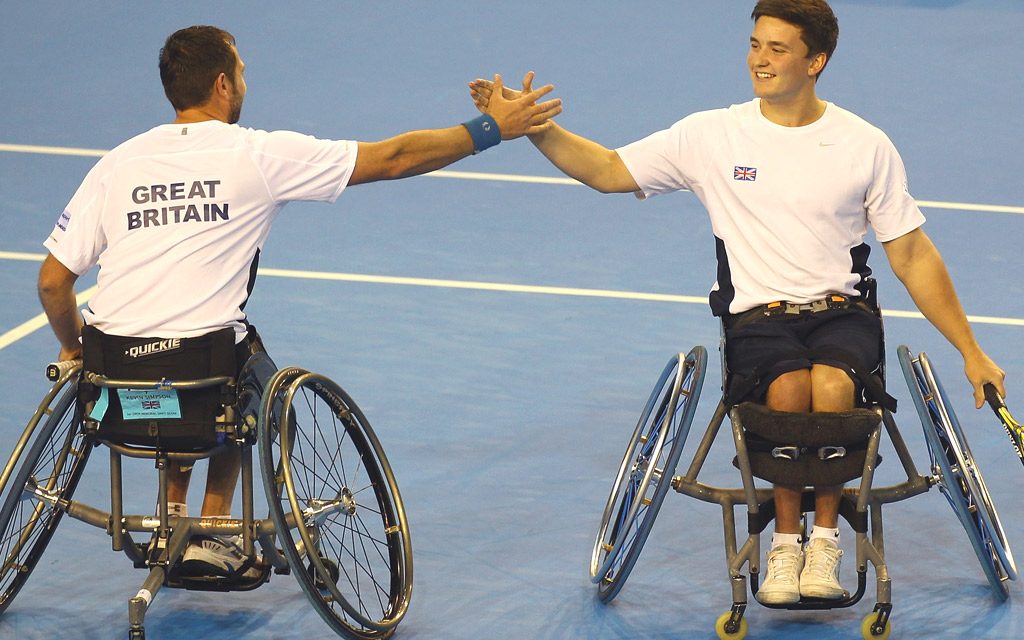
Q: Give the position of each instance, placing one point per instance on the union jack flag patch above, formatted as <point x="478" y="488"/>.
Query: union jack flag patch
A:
<point x="150" y="404"/>
<point x="744" y="173"/>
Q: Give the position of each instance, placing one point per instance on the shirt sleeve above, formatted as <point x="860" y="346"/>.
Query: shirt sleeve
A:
<point x="665" y="161"/>
<point x="301" y="167"/>
<point x="891" y="209"/>
<point x="78" y="237"/>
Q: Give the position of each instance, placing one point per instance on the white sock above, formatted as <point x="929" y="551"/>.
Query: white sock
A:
<point x="828" y="534"/>
<point x="779" y="539"/>
<point x="177" y="509"/>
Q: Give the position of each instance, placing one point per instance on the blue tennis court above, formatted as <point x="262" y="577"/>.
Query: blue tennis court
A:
<point x="501" y="326"/>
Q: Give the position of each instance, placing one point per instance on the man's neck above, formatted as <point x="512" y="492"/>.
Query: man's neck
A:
<point x="793" y="113"/>
<point x="198" y="114"/>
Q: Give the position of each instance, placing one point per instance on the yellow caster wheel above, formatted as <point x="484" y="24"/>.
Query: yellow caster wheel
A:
<point x="739" y="634"/>
<point x="869" y="633"/>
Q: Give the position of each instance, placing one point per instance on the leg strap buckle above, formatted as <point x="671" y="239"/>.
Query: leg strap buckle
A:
<point x="829" y="452"/>
<point x="789" y="452"/>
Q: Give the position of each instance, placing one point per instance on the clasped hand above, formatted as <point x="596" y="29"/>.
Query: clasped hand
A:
<point x="516" y="112"/>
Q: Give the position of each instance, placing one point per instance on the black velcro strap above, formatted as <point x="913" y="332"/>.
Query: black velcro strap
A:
<point x="874" y="389"/>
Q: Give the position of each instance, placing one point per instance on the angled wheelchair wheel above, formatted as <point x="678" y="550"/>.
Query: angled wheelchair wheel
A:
<point x="335" y="505"/>
<point x="960" y="478"/>
<point x="645" y="475"/>
<point x="47" y="474"/>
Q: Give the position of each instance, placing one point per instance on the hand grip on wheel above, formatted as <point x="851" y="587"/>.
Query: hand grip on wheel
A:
<point x="55" y="370"/>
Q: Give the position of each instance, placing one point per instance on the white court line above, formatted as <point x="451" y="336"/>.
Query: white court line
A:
<point x="508" y="288"/>
<point x="504" y="177"/>
<point x="563" y="291"/>
<point x="28" y="257"/>
<point x="52" y="151"/>
<point x="38" y="322"/>
<point x="483" y="286"/>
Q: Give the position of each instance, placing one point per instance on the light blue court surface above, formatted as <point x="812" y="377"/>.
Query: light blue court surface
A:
<point x="505" y="412"/>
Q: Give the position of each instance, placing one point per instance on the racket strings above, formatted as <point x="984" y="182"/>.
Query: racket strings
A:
<point x="1013" y="429"/>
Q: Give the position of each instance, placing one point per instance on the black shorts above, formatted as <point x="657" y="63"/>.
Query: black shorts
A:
<point x="759" y="351"/>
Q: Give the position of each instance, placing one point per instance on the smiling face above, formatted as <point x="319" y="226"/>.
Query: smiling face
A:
<point x="781" y="70"/>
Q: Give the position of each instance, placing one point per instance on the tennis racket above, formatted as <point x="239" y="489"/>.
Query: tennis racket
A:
<point x="1013" y="428"/>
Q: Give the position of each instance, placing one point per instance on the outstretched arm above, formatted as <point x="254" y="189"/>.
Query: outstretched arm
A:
<point x="592" y="164"/>
<point x="918" y="265"/>
<point x="417" y="152"/>
<point x="57" y="293"/>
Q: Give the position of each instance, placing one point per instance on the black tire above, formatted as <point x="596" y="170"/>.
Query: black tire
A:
<point x="960" y="478"/>
<point x="330" y="489"/>
<point x="645" y="474"/>
<point x="271" y="395"/>
<point x="53" y="464"/>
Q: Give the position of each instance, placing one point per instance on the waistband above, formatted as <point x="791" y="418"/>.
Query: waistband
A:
<point x="782" y="308"/>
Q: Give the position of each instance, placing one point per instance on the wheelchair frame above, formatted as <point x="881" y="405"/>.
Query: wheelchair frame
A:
<point x="316" y="527"/>
<point x="648" y="467"/>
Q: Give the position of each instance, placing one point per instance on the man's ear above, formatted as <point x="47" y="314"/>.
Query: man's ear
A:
<point x="817" y="64"/>
<point x="221" y="86"/>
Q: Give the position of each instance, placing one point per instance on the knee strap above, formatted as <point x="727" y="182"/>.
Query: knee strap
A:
<point x="874" y="387"/>
<point x="806" y="449"/>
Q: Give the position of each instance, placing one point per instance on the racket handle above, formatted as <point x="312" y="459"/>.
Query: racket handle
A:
<point x="55" y="370"/>
<point x="992" y="396"/>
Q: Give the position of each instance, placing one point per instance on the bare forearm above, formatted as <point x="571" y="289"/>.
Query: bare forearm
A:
<point x="412" y="153"/>
<point x="56" y="289"/>
<point x="592" y="164"/>
<point x="939" y="303"/>
<point x="65" y="319"/>
<point x="417" y="152"/>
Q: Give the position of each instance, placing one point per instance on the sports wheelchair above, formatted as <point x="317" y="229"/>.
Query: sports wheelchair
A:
<point x="647" y="472"/>
<point x="336" y="520"/>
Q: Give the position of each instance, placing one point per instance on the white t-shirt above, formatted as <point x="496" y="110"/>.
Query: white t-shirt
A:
<point x="789" y="206"/>
<point x="176" y="217"/>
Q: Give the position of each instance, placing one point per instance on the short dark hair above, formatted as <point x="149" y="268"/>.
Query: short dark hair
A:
<point x="190" y="62"/>
<point x="819" y="28"/>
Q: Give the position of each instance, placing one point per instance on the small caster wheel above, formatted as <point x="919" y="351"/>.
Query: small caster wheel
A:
<point x="739" y="634"/>
<point x="137" y="634"/>
<point x="332" y="569"/>
<point x="870" y="633"/>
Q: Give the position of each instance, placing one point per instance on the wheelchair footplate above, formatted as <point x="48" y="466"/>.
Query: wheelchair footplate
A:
<point x="239" y="581"/>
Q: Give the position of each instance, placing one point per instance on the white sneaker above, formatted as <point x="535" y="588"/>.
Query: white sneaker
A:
<point x="820" y="577"/>
<point x="782" y="575"/>
<point x="215" y="556"/>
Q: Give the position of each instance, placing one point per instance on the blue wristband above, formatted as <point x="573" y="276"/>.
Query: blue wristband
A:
<point x="484" y="131"/>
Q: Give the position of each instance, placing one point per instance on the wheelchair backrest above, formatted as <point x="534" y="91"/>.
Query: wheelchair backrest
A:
<point x="153" y="415"/>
